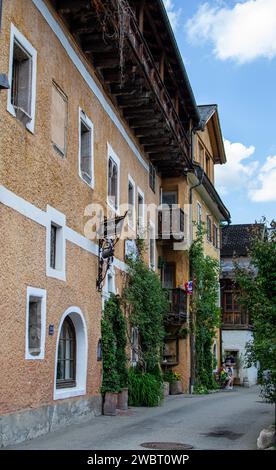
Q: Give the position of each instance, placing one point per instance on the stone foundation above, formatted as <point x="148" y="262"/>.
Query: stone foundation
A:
<point x="30" y="424"/>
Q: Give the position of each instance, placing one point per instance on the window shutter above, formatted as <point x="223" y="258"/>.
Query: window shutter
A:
<point x="59" y="119"/>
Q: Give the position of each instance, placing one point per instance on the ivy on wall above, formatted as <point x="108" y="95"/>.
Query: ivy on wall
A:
<point x="114" y="341"/>
<point x="205" y="311"/>
<point x="148" y="304"/>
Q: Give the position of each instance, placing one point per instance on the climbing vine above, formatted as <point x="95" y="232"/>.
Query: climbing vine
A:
<point x="114" y="341"/>
<point x="147" y="303"/>
<point x="205" y="311"/>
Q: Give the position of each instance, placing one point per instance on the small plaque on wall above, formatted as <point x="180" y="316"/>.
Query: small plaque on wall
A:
<point x="51" y="330"/>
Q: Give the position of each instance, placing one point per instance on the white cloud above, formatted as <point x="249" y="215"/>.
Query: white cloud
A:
<point x="173" y="14"/>
<point x="236" y="173"/>
<point x="266" y="183"/>
<point x="242" y="33"/>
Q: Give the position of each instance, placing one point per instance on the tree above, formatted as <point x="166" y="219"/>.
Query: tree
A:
<point x="257" y="286"/>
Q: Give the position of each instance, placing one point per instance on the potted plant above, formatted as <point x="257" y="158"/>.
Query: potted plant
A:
<point x="167" y="379"/>
<point x="176" y="387"/>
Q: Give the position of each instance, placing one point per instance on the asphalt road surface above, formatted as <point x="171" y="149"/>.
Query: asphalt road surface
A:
<point x="227" y="420"/>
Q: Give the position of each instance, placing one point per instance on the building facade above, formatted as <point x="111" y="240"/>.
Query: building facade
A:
<point x="87" y="123"/>
<point x="236" y="324"/>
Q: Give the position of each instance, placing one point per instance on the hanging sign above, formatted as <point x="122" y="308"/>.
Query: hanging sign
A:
<point x="189" y="287"/>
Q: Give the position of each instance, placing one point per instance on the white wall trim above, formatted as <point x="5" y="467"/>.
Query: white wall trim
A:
<point x="15" y="34"/>
<point x="28" y="210"/>
<point x="75" y="58"/>
<point x="88" y="123"/>
<point x="40" y="293"/>
<point x="79" y="322"/>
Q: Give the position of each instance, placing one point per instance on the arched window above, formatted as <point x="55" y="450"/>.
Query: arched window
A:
<point x="66" y="362"/>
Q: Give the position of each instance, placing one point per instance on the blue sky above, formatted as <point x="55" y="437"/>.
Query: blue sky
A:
<point x="229" y="50"/>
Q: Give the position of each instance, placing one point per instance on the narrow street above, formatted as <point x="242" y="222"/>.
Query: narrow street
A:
<point x="220" y="421"/>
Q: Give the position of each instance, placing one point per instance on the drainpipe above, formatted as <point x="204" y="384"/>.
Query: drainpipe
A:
<point x="192" y="335"/>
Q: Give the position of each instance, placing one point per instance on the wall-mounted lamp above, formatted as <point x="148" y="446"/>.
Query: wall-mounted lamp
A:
<point x="110" y="231"/>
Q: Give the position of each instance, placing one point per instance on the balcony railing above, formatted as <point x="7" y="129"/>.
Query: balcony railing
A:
<point x="236" y="320"/>
<point x="171" y="224"/>
<point x="178" y="307"/>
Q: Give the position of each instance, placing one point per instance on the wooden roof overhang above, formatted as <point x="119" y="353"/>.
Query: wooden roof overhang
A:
<point x="124" y="63"/>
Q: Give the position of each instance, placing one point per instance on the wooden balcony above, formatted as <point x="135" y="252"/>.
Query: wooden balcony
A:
<point x="133" y="79"/>
<point x="171" y="224"/>
<point x="178" y="307"/>
<point x="236" y="321"/>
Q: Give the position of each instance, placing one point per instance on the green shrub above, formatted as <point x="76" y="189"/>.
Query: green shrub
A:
<point x="144" y="389"/>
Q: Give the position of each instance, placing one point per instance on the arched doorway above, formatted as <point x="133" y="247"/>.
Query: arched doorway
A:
<point x="71" y="355"/>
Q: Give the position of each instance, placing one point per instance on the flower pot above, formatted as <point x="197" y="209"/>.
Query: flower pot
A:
<point x="122" y="402"/>
<point x="166" y="386"/>
<point x="176" y="387"/>
<point x="110" y="404"/>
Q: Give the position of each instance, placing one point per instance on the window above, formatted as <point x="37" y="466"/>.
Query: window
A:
<point x="54" y="230"/>
<point x="199" y="214"/>
<point x="35" y="323"/>
<point x="22" y="77"/>
<point x="170" y="197"/>
<point x="66" y="362"/>
<point x="215" y="236"/>
<point x="113" y="179"/>
<point x="59" y="119"/>
<point x="208" y="167"/>
<point x="86" y="149"/>
<point x="152" y="246"/>
<point x="152" y="177"/>
<point x="131" y="202"/>
<point x="201" y="155"/>
<point x="141" y="209"/>
<point x="209" y="229"/>
<point x="134" y="346"/>
<point x="56" y="244"/>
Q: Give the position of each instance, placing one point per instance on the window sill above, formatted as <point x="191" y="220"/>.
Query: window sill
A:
<point x="29" y="126"/>
<point x="90" y="185"/>
<point x="62" y="394"/>
<point x="55" y="274"/>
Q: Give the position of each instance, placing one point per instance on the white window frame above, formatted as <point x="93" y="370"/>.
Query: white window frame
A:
<point x="115" y="158"/>
<point x="152" y="230"/>
<point x="131" y="223"/>
<point x="88" y="123"/>
<point x="141" y="193"/>
<point x="41" y="294"/>
<point x="25" y="44"/>
<point x="78" y="319"/>
<point x="57" y="218"/>
<point x="106" y="293"/>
